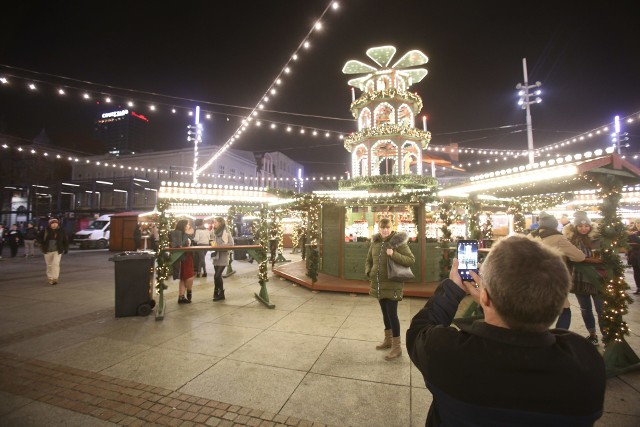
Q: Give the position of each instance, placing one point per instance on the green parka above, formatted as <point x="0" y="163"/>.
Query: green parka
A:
<point x="376" y="264"/>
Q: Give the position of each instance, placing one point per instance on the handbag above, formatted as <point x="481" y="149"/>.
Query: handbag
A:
<point x="398" y="272"/>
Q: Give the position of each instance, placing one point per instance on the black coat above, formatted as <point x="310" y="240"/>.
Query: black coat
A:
<point x="485" y="375"/>
<point x="62" y="242"/>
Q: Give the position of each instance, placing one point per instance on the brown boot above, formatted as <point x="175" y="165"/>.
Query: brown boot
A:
<point x="387" y="340"/>
<point x="396" y="351"/>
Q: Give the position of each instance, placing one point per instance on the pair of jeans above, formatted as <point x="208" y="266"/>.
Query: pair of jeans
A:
<point x="217" y="277"/>
<point x="390" y="315"/>
<point x="587" y="311"/>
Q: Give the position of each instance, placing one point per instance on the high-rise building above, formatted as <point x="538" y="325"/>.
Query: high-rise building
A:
<point x="122" y="131"/>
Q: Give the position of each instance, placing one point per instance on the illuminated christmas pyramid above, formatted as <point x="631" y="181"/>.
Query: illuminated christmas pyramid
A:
<point x="387" y="142"/>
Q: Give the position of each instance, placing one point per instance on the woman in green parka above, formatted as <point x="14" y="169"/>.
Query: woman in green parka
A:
<point x="388" y="244"/>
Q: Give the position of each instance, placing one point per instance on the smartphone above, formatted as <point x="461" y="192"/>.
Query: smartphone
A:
<point x="467" y="259"/>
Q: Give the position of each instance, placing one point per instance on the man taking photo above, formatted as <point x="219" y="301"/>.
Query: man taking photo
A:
<point x="510" y="368"/>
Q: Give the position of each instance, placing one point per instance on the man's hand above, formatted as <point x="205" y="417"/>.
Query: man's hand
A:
<point x="471" y="288"/>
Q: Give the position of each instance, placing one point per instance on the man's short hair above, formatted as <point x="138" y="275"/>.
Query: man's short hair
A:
<point x="526" y="281"/>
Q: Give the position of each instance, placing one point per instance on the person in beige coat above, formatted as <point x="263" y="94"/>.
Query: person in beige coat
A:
<point x="548" y="233"/>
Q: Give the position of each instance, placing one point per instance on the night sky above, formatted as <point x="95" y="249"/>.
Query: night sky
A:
<point x="224" y="56"/>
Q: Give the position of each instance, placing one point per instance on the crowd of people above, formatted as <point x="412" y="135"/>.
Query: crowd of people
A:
<point x="193" y="263"/>
<point x="491" y="371"/>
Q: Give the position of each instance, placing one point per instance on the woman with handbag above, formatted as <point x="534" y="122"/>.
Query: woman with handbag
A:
<point x="388" y="246"/>
<point x="222" y="237"/>
<point x="587" y="281"/>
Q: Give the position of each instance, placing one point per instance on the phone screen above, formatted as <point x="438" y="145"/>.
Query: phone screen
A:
<point x="467" y="258"/>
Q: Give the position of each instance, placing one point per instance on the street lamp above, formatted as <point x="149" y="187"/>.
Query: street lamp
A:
<point x="194" y="134"/>
<point x="618" y="137"/>
<point x="526" y="99"/>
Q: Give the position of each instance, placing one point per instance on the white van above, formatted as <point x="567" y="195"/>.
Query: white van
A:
<point x="96" y="235"/>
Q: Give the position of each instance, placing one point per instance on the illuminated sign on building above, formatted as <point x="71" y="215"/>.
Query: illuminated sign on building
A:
<point x="115" y="114"/>
<point x="140" y="116"/>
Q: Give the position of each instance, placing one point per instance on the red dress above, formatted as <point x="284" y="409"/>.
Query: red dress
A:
<point x="186" y="266"/>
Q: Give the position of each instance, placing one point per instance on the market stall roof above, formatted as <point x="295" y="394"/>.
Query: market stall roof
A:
<point x="181" y="192"/>
<point x="569" y="174"/>
<point x="198" y="200"/>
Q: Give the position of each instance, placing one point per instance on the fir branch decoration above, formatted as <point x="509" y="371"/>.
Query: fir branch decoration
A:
<point x="487" y="229"/>
<point x="473" y="211"/>
<point x="519" y="221"/>
<point x="612" y="231"/>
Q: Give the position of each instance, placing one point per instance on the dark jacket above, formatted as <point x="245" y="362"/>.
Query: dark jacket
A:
<point x="14" y="237"/>
<point x="376" y="264"/>
<point x="62" y="242"/>
<point x="31" y="234"/>
<point x="484" y="375"/>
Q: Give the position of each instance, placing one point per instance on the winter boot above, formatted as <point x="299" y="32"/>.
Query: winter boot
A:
<point x="218" y="294"/>
<point x="387" y="340"/>
<point x="396" y="351"/>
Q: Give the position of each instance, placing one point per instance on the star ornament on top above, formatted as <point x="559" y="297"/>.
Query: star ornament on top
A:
<point x="382" y="56"/>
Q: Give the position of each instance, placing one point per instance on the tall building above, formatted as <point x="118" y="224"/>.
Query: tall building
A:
<point x="122" y="131"/>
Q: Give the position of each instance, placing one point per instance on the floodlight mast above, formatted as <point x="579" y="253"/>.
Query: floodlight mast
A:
<point x="525" y="101"/>
<point x="195" y="134"/>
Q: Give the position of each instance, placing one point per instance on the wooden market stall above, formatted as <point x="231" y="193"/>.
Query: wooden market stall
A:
<point x="175" y="199"/>
<point x="607" y="175"/>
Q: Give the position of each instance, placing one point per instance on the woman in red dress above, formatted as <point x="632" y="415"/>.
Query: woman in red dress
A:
<point x="186" y="265"/>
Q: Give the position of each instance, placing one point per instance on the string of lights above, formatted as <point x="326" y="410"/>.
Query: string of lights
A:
<point x="272" y="89"/>
<point x="500" y="155"/>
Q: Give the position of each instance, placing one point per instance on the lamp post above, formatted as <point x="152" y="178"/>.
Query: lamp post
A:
<point x="618" y="137"/>
<point x="194" y="134"/>
<point x="526" y="99"/>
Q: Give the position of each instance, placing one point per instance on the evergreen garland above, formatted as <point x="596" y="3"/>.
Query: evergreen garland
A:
<point x="261" y="235"/>
<point x="164" y="227"/>
<point x="448" y="216"/>
<point x="313" y="237"/>
<point x="416" y="218"/>
<point x="295" y="238"/>
<point x="473" y="212"/>
<point x="519" y="221"/>
<point x="445" y="216"/>
<point x="614" y="237"/>
<point x="487" y="231"/>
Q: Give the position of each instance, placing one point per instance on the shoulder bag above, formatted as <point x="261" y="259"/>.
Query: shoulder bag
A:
<point x="397" y="272"/>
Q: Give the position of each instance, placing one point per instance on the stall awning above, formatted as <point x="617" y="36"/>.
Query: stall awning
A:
<point x="547" y="178"/>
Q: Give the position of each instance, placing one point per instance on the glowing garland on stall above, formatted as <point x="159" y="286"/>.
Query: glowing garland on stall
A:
<point x="261" y="234"/>
<point x="314" y="205"/>
<point x="165" y="222"/>
<point x="473" y="213"/>
<point x="305" y="232"/>
<point x="519" y="221"/>
<point x="487" y="230"/>
<point x="614" y="238"/>
<point x="448" y="215"/>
